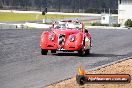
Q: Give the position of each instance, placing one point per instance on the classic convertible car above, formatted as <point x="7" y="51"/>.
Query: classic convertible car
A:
<point x="66" y="36"/>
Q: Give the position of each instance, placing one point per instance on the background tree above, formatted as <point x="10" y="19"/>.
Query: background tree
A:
<point x="61" y="5"/>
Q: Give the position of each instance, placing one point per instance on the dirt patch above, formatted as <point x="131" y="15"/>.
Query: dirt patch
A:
<point x="124" y="67"/>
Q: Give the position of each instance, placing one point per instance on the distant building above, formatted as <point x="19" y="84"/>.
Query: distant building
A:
<point x="108" y="19"/>
<point x="124" y="11"/>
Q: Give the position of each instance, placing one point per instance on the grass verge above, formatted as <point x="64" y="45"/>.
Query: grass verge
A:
<point x="10" y="16"/>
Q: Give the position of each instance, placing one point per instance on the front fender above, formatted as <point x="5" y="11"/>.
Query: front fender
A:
<point x="44" y="38"/>
<point x="79" y="38"/>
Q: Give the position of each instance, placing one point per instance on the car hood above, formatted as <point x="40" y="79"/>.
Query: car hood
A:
<point x="65" y="31"/>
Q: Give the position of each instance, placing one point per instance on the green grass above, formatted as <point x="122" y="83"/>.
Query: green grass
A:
<point x="10" y="16"/>
<point x="88" y="24"/>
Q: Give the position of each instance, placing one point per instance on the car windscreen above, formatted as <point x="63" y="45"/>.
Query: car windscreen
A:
<point x="68" y="25"/>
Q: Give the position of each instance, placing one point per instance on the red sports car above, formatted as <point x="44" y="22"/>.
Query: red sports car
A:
<point x="66" y="36"/>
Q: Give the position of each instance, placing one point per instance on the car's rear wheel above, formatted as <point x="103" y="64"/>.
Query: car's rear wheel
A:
<point x="81" y="52"/>
<point x="53" y="51"/>
<point x="44" y="52"/>
<point x="87" y="52"/>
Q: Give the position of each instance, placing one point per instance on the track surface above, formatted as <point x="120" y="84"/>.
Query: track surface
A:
<point x="22" y="65"/>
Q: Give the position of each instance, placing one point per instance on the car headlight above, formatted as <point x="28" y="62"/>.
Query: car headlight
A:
<point x="51" y="37"/>
<point x="71" y="38"/>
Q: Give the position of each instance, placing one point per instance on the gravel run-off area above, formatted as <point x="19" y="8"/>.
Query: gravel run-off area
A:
<point x="124" y="67"/>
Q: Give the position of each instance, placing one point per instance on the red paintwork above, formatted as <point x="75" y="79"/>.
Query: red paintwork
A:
<point x="79" y="35"/>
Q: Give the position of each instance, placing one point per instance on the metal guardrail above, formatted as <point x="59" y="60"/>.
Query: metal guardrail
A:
<point x="6" y="26"/>
<point x="12" y="26"/>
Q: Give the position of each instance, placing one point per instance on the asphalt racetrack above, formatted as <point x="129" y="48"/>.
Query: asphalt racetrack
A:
<point x="23" y="66"/>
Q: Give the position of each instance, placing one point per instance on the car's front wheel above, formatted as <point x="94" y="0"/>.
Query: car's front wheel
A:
<point x="44" y="52"/>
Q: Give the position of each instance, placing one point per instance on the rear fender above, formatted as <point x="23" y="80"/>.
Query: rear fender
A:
<point x="87" y="40"/>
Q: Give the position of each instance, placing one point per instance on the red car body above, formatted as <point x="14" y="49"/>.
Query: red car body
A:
<point x="66" y="39"/>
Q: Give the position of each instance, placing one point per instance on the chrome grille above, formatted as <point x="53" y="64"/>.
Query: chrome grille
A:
<point x="61" y="39"/>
